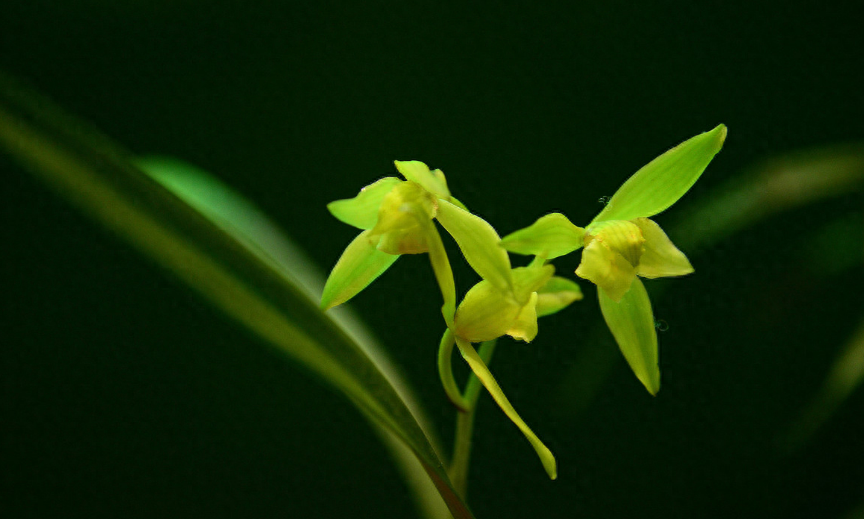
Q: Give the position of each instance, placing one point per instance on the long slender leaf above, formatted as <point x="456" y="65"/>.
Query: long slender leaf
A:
<point x="99" y="178"/>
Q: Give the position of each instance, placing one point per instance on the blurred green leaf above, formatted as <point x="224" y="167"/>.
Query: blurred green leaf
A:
<point x="100" y="179"/>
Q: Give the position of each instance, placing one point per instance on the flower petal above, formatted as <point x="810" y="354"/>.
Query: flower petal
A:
<point x="418" y="172"/>
<point x="631" y="321"/>
<point x="358" y="266"/>
<point x="550" y="236"/>
<point x="486" y="313"/>
<point x="479" y="244"/>
<point x="664" y="180"/>
<point x="405" y="206"/>
<point x="482" y="371"/>
<point x="556" y="295"/>
<point x="527" y="280"/>
<point x="362" y="210"/>
<point x="660" y="257"/>
<point x="606" y="269"/>
<point x="524" y="327"/>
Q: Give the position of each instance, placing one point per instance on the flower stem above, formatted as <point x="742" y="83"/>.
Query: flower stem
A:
<point x="445" y="371"/>
<point x="465" y="425"/>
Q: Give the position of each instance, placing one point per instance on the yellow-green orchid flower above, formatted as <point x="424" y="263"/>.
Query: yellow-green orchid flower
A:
<point x="396" y="217"/>
<point x="622" y="244"/>
<point x="488" y="312"/>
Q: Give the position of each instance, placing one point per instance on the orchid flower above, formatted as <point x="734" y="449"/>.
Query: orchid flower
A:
<point x="395" y="217"/>
<point x="622" y="244"/>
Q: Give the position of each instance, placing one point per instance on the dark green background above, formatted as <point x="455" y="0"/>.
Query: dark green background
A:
<point x="124" y="394"/>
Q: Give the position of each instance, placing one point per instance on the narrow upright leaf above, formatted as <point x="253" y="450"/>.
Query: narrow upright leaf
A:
<point x="664" y="180"/>
<point x="631" y="321"/>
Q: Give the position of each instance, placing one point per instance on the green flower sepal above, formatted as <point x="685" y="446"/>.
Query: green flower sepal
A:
<point x="621" y="244"/>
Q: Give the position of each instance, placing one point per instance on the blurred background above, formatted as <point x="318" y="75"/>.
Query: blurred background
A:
<point x="124" y="393"/>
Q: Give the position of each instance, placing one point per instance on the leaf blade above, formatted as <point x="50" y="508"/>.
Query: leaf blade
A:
<point x="97" y="177"/>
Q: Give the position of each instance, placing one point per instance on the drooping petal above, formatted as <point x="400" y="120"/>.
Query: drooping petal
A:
<point x="660" y="257"/>
<point x="362" y="210"/>
<point x="631" y="321"/>
<point x="478" y="242"/>
<point x="418" y="172"/>
<point x="556" y="295"/>
<point x="482" y="371"/>
<point x="359" y="265"/>
<point x="550" y="236"/>
<point x="664" y="180"/>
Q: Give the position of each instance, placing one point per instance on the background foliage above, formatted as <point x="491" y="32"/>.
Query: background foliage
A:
<point x="123" y="391"/>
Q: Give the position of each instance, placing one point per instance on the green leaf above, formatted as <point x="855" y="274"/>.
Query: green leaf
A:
<point x="482" y="371"/>
<point x="550" y="236"/>
<point x="359" y="265"/>
<point x="631" y="322"/>
<point x="556" y="295"/>
<point x="362" y="210"/>
<point x="664" y="180"/>
<point x="478" y="242"/>
<point x="99" y="178"/>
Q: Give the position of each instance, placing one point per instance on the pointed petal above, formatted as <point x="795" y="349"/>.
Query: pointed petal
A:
<point x="486" y="313"/>
<point x="550" y="236"/>
<point x="418" y="172"/>
<point x="362" y="210"/>
<point x="660" y="258"/>
<point x="664" y="180"/>
<point x="479" y="243"/>
<point x="482" y="371"/>
<point x="556" y="295"/>
<point x="524" y="327"/>
<point x="359" y="265"/>
<point x="631" y="321"/>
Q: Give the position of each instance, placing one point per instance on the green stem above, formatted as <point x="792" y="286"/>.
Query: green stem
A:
<point x="445" y="371"/>
<point x="465" y="426"/>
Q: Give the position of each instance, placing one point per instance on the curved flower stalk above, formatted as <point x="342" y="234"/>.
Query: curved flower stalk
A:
<point x="622" y="244"/>
<point x="395" y="217"/>
<point x="488" y="312"/>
